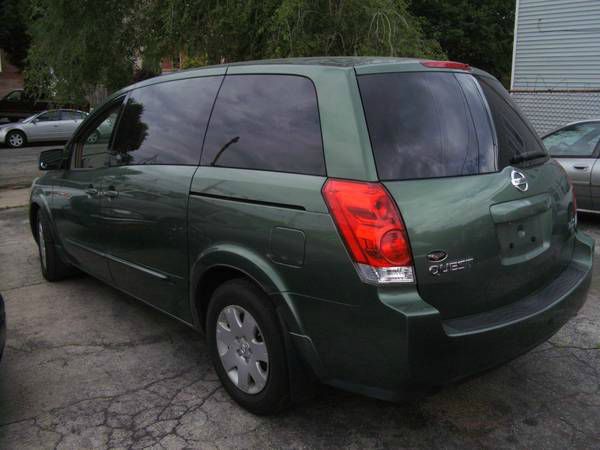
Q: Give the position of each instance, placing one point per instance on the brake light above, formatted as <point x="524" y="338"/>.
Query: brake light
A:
<point x="446" y="65"/>
<point x="372" y="229"/>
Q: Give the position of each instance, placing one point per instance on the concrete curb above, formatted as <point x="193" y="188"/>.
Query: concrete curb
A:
<point x="14" y="198"/>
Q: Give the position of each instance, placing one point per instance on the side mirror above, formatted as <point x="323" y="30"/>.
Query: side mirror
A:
<point x="36" y="120"/>
<point x="51" y="159"/>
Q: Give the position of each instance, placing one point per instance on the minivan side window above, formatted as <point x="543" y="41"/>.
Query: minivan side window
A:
<point x="266" y="122"/>
<point x="92" y="147"/>
<point x="165" y="123"/>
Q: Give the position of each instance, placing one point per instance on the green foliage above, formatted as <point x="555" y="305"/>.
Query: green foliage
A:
<point x="13" y="31"/>
<point x="473" y="31"/>
<point x="348" y="27"/>
<point x="80" y="45"/>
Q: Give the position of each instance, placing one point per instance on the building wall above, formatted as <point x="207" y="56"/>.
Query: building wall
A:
<point x="10" y="77"/>
<point x="557" y="45"/>
<point x="550" y="110"/>
<point x="556" y="61"/>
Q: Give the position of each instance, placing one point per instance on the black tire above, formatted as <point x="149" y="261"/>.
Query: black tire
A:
<point x="12" y="141"/>
<point x="275" y="396"/>
<point x="53" y="267"/>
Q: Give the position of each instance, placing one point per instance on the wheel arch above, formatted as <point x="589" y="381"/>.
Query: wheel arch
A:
<point x="219" y="265"/>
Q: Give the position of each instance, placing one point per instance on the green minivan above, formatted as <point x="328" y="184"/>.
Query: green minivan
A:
<point x="382" y="225"/>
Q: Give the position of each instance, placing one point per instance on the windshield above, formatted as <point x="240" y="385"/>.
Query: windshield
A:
<point x="30" y="118"/>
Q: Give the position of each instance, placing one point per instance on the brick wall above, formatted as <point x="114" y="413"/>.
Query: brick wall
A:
<point x="10" y="77"/>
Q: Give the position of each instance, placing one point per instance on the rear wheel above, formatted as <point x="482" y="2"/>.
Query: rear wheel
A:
<point x="53" y="268"/>
<point x="16" y="139"/>
<point x="247" y="349"/>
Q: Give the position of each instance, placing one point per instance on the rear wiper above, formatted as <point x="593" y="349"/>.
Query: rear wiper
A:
<point x="527" y="156"/>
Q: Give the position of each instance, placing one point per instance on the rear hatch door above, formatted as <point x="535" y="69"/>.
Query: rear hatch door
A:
<point x="489" y="217"/>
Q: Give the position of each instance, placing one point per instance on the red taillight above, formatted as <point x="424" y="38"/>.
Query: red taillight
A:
<point x="372" y="229"/>
<point x="446" y="65"/>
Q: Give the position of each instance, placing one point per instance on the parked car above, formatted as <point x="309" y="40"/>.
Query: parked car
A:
<point x="2" y="327"/>
<point x="383" y="225"/>
<point x="576" y="147"/>
<point x="53" y="125"/>
<point x="17" y="105"/>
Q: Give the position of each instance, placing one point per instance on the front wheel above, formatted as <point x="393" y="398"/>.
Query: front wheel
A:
<point x="16" y="139"/>
<point x="247" y="349"/>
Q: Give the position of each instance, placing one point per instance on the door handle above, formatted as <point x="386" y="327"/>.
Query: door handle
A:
<point x="92" y="191"/>
<point x="580" y="167"/>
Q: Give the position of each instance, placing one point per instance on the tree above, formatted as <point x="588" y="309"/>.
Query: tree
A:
<point x="14" y="39"/>
<point x="478" y="32"/>
<point x="348" y="27"/>
<point x="78" y="46"/>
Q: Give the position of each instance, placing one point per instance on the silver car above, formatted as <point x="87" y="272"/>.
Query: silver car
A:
<point x="576" y="147"/>
<point x="52" y="125"/>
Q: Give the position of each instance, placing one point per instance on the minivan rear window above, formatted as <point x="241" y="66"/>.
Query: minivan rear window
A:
<point x="423" y="125"/>
<point x="442" y="124"/>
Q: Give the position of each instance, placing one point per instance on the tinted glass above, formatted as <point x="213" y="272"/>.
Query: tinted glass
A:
<point x="266" y="122"/>
<point x="14" y="96"/>
<point x="422" y="125"/>
<point x="574" y="140"/>
<point x="515" y="135"/>
<point x="165" y="123"/>
<point x="49" y="116"/>
<point x="92" y="148"/>
<point x="71" y="115"/>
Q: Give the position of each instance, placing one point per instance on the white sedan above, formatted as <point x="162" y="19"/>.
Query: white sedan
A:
<point x="52" y="125"/>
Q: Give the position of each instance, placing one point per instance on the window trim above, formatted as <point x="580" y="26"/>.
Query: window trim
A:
<point x="227" y="75"/>
<point x="91" y="121"/>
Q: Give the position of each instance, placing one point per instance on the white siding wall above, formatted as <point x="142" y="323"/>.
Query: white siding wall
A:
<point x="557" y="45"/>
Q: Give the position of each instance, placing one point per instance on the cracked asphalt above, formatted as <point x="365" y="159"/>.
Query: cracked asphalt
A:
<point x="89" y="367"/>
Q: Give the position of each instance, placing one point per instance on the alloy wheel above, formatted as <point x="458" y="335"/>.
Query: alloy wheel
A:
<point x="16" y="140"/>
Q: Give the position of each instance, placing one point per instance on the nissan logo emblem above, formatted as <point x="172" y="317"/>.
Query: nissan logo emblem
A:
<point x="519" y="180"/>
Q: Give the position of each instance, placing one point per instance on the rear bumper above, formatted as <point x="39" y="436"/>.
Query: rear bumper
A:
<point x="472" y="344"/>
<point x="410" y="349"/>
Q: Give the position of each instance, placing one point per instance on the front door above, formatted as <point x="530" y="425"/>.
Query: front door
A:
<point x="146" y="189"/>
<point x="77" y="193"/>
<point x="45" y="127"/>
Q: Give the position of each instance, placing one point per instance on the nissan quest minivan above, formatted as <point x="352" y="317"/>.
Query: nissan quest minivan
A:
<point x="382" y="225"/>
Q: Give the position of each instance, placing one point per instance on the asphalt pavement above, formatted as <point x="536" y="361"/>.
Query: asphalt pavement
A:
<point x="89" y="367"/>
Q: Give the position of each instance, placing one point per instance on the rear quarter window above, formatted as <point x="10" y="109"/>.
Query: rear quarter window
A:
<point x="266" y="122"/>
<point x="427" y="125"/>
